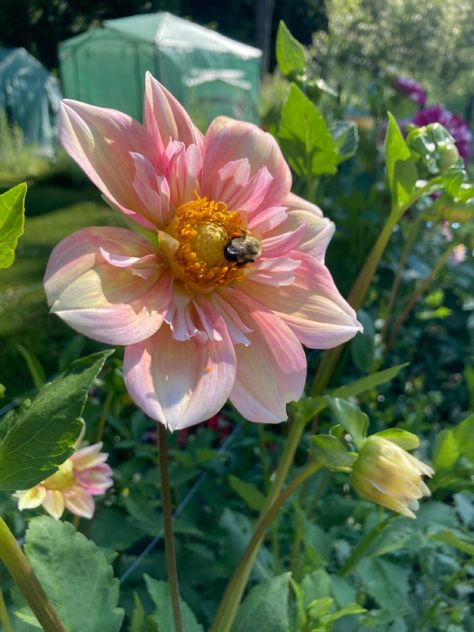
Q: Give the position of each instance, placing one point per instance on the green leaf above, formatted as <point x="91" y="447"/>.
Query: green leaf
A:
<point x="386" y="583"/>
<point x="75" y="575"/>
<point x="351" y="417"/>
<point x="435" y="151"/>
<point x="41" y="435"/>
<point x="363" y="345"/>
<point x="138" y="622"/>
<point x="34" y="367"/>
<point x="305" y="136"/>
<point x="403" y="438"/>
<point x="465" y="437"/>
<point x="265" y="609"/>
<point x="308" y="407"/>
<point x="401" y="170"/>
<point x="368" y="383"/>
<point x="446" y="450"/>
<point x="163" y="616"/>
<point x="351" y="608"/>
<point x="290" y="54"/>
<point x="2" y="391"/>
<point x="249" y="493"/>
<point x="331" y="451"/>
<point x="346" y="137"/>
<point x="446" y="209"/>
<point x="456" y="539"/>
<point x="318" y="608"/>
<point x="12" y="221"/>
<point x="316" y="585"/>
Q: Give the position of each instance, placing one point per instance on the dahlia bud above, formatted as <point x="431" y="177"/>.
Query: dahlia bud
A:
<point x="388" y="475"/>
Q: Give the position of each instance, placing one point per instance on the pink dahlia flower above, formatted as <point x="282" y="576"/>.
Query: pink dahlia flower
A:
<point x="84" y="475"/>
<point x="410" y="88"/>
<point x="220" y="277"/>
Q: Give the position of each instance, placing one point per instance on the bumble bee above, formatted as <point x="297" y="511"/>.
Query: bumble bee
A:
<point x="242" y="249"/>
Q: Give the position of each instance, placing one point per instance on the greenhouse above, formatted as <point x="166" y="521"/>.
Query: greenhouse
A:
<point x="210" y="74"/>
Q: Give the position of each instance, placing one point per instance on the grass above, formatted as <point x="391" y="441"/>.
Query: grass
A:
<point x="53" y="211"/>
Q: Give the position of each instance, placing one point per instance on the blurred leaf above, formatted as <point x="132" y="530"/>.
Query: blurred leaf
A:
<point x="346" y="137"/>
<point x="386" y="583"/>
<point x="75" y="575"/>
<point x="319" y="608"/>
<point x="308" y="407"/>
<point x="12" y="221"/>
<point x="316" y="585"/>
<point x="363" y="344"/>
<point x="250" y="494"/>
<point x="34" y="367"/>
<point x="403" y="438"/>
<point x="163" y="616"/>
<point x="2" y="391"/>
<point x="464" y="433"/>
<point x="458" y="540"/>
<point x="401" y="170"/>
<point x="305" y="136"/>
<point x="265" y="609"/>
<point x="446" y="449"/>
<point x="433" y="147"/>
<point x="446" y="209"/>
<point x="138" y="622"/>
<point x="351" y="417"/>
<point x="332" y="453"/>
<point x="290" y="54"/>
<point x="351" y="608"/>
<point x="368" y="383"/>
<point x="42" y="434"/>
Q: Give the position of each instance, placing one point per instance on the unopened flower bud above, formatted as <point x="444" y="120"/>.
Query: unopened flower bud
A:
<point x="388" y="475"/>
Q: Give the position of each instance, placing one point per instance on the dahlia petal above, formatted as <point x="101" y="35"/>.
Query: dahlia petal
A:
<point x="319" y="229"/>
<point x="101" y="141"/>
<point x="88" y="457"/>
<point x="31" y="498"/>
<point x="276" y="272"/>
<point x="282" y="244"/>
<point x="249" y="196"/>
<point x="79" y="502"/>
<point x="230" y="178"/>
<point x="95" y="481"/>
<point x="152" y="189"/>
<point x="184" y="167"/>
<point x="271" y="371"/>
<point x="100" y="300"/>
<point x="265" y="221"/>
<point x="227" y="140"/>
<point x="54" y="503"/>
<point x="312" y="306"/>
<point x="180" y="383"/>
<point x="236" y="328"/>
<point x="165" y="117"/>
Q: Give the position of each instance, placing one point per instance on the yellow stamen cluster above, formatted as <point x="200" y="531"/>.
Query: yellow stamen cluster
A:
<point x="203" y="228"/>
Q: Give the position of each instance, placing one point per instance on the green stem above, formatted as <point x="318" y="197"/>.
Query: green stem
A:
<point x="363" y="545"/>
<point x="168" y="526"/>
<point x="417" y="295"/>
<point x="228" y="607"/>
<point x="401" y="265"/>
<point x="103" y="416"/>
<point x="264" y="457"/>
<point x="22" y="573"/>
<point x="4" y="618"/>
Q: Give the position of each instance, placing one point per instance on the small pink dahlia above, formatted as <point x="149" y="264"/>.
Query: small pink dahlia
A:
<point x="220" y="277"/>
<point x="82" y="476"/>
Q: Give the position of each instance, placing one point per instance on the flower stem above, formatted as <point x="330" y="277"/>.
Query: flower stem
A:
<point x="363" y="545"/>
<point x="4" y="618"/>
<point x="168" y="527"/>
<point x="229" y="604"/>
<point x="103" y="416"/>
<point x="417" y="295"/>
<point x="22" y="573"/>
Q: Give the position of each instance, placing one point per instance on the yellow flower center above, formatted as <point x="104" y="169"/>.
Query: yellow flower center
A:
<point x="61" y="479"/>
<point x="204" y="228"/>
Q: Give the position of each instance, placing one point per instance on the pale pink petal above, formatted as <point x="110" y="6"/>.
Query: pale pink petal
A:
<point x="95" y="481"/>
<point x="271" y="371"/>
<point x="180" y="383"/>
<point x="265" y="221"/>
<point x="319" y="229"/>
<point x="276" y="272"/>
<point x="89" y="456"/>
<point x="249" y="196"/>
<point x="102" y="142"/>
<point x="102" y="301"/>
<point x="31" y="498"/>
<point x="234" y="324"/>
<point x="282" y="244"/>
<point x="79" y="502"/>
<point x="54" y="503"/>
<point x="312" y="306"/>
<point x="231" y="178"/>
<point x="184" y="167"/>
<point x="227" y="141"/>
<point x="153" y="191"/>
<point x="165" y="117"/>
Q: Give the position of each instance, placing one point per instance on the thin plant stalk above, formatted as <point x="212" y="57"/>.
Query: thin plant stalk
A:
<point x="363" y="545"/>
<point x="4" y="618"/>
<point x="222" y="623"/>
<point x="417" y="295"/>
<point x="22" y="574"/>
<point x="168" y="527"/>
<point x="103" y="416"/>
<point x="398" y="275"/>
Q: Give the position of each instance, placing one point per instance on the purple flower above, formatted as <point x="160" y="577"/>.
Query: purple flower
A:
<point x="455" y="124"/>
<point x="411" y="89"/>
